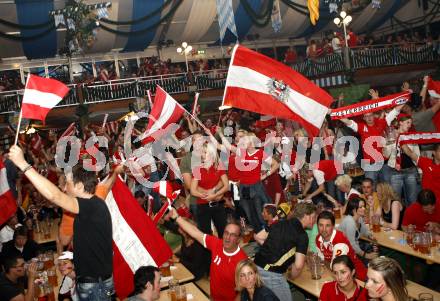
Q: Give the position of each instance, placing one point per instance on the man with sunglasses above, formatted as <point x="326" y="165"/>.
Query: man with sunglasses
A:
<point x="13" y="281"/>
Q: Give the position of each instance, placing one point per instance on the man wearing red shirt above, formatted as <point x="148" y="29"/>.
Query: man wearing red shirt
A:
<point x="424" y="212"/>
<point x="372" y="149"/>
<point x="225" y="255"/>
<point x="331" y="243"/>
<point x="430" y="169"/>
<point x="351" y="39"/>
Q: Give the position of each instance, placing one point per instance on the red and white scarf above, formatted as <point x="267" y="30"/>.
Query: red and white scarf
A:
<point x="373" y="105"/>
<point x="414" y="138"/>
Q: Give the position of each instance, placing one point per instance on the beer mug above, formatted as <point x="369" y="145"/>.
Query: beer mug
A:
<point x="181" y="293"/>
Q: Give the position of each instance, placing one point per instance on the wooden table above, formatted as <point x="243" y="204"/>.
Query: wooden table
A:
<point x="179" y="272"/>
<point x="394" y="239"/>
<point x="40" y="238"/>
<point x="191" y="288"/>
<point x="313" y="287"/>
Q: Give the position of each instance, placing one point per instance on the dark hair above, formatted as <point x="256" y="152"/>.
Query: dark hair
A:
<point x="326" y="215"/>
<point x="272" y="210"/>
<point x="345" y="260"/>
<point x="426" y="197"/>
<point x="20" y="231"/>
<point x="139" y="194"/>
<point x="87" y="178"/>
<point x="436" y="146"/>
<point x="369" y="181"/>
<point x="233" y="221"/>
<point x="10" y="261"/>
<point x="353" y="204"/>
<point x="142" y="276"/>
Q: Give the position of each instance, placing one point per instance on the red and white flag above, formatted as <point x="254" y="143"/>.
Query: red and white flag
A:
<point x="8" y="204"/>
<point x="136" y="240"/>
<point x="165" y="111"/>
<point x="165" y="189"/>
<point x="112" y="127"/>
<point x="260" y="84"/>
<point x="434" y="88"/>
<point x="40" y="96"/>
<point x="265" y="121"/>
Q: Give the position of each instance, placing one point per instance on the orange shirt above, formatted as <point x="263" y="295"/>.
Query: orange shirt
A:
<point x="66" y="225"/>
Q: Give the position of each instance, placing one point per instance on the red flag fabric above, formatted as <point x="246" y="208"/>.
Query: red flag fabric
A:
<point x="8" y="204"/>
<point x="373" y="105"/>
<point x="136" y="240"/>
<point x="165" y="111"/>
<point x="260" y="84"/>
<point x="434" y="88"/>
<point x="40" y="96"/>
<point x="165" y="188"/>
<point x="265" y="122"/>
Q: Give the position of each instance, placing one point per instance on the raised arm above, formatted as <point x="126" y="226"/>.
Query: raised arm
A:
<point x="189" y="228"/>
<point x="43" y="185"/>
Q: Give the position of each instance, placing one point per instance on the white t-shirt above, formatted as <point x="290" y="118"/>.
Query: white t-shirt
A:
<point x="336" y="44"/>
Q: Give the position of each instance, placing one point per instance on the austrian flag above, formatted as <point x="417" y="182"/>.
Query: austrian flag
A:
<point x="260" y="84"/>
<point x="40" y="96"/>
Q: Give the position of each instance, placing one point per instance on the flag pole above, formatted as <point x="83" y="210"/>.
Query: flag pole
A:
<point x="21" y="110"/>
<point x="18" y="128"/>
<point x="195" y="118"/>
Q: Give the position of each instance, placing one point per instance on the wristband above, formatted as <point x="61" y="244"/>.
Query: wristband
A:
<point x="27" y="168"/>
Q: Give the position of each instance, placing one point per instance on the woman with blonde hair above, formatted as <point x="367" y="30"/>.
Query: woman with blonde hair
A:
<point x="390" y="207"/>
<point x="248" y="282"/>
<point x="208" y="184"/>
<point x="386" y="280"/>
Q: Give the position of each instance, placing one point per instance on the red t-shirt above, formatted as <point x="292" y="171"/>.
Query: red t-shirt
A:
<point x="233" y="172"/>
<point x="222" y="272"/>
<point x="249" y="166"/>
<point x="331" y="292"/>
<point x="366" y="131"/>
<point x="431" y="175"/>
<point x="340" y="245"/>
<point x="326" y="170"/>
<point x="414" y="215"/>
<point x="208" y="178"/>
<point x="352" y="42"/>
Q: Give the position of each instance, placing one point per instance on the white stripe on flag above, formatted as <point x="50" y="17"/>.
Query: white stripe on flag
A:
<point x="303" y="106"/>
<point x="4" y="186"/>
<point x="32" y="96"/>
<point x="163" y="188"/>
<point x="167" y="110"/>
<point x="128" y="243"/>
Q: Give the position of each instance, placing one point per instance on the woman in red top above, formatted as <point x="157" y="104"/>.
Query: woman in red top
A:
<point x="345" y="288"/>
<point x="208" y="184"/>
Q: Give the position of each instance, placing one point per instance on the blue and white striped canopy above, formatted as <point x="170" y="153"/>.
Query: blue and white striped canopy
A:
<point x="195" y="21"/>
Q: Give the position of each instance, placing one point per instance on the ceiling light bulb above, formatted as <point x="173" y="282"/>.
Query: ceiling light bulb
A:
<point x="184" y="44"/>
<point x="179" y="50"/>
<point x="337" y="21"/>
<point x="343" y="14"/>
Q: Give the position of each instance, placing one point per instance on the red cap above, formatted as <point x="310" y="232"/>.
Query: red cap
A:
<point x="403" y="116"/>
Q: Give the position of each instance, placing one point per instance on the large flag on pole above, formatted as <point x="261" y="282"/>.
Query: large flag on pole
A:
<point x="8" y="205"/>
<point x="260" y="84"/>
<point x="165" y="111"/>
<point x="40" y="96"/>
<point x="136" y="240"/>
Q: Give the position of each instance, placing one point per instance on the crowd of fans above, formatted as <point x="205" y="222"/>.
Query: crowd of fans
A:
<point x="292" y="210"/>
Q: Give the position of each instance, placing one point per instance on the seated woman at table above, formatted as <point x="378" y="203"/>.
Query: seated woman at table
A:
<point x="390" y="209"/>
<point x="353" y="227"/>
<point x="67" y="290"/>
<point x="386" y="280"/>
<point x="193" y="255"/>
<point x="345" y="287"/>
<point x="249" y="284"/>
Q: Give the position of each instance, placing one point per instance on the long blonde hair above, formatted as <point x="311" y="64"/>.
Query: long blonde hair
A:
<point x="211" y="151"/>
<point x="385" y="193"/>
<point x="249" y="263"/>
